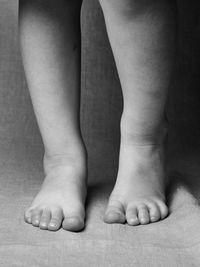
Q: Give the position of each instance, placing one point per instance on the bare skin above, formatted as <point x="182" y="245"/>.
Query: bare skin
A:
<point x="138" y="196"/>
<point x="60" y="202"/>
<point x="50" y="41"/>
<point x="141" y="36"/>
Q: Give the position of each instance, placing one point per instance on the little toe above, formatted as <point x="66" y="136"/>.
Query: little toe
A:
<point x="35" y="218"/>
<point x="115" y="213"/>
<point x="143" y="214"/>
<point x="154" y="212"/>
<point x="45" y="219"/>
<point x="73" y="223"/>
<point x="132" y="216"/>
<point x="163" y="209"/>
<point x="27" y="216"/>
<point x="56" y="220"/>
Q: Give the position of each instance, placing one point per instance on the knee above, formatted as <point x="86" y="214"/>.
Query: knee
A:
<point x="128" y="7"/>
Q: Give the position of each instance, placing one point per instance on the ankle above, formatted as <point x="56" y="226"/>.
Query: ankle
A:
<point x="73" y="157"/>
<point x="131" y="133"/>
<point x="71" y="146"/>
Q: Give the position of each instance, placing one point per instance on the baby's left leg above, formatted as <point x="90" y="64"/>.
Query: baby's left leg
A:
<point x="141" y="34"/>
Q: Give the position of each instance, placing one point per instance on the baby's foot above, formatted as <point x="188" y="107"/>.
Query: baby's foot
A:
<point x="62" y="196"/>
<point x="138" y="196"/>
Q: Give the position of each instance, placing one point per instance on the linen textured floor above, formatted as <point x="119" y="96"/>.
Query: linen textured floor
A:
<point x="172" y="242"/>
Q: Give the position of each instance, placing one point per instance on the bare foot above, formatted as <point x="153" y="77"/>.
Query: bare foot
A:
<point x="138" y="196"/>
<point x="61" y="199"/>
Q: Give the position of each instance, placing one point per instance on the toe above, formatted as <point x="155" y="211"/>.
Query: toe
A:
<point x="132" y="216"/>
<point x="73" y="223"/>
<point x="143" y="214"/>
<point x="56" y="220"/>
<point x="163" y="209"/>
<point x="114" y="216"/>
<point x="115" y="213"/>
<point x="35" y="218"/>
<point x="27" y="215"/>
<point x="45" y="219"/>
<point x="154" y="212"/>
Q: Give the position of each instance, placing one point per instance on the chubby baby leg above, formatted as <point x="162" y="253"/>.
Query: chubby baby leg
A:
<point x="50" y="41"/>
<point x="141" y="34"/>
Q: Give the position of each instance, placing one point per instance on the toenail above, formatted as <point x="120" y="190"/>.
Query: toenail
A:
<point x="133" y="220"/>
<point x="35" y="223"/>
<point x="114" y="217"/>
<point x="74" y="224"/>
<point x="144" y="220"/>
<point x="52" y="225"/>
<point x="114" y="212"/>
<point x="28" y="220"/>
<point x="75" y="220"/>
<point x="43" y="225"/>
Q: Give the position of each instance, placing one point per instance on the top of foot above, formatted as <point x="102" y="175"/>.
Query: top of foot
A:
<point x="60" y="202"/>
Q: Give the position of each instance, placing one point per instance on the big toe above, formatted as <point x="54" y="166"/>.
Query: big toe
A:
<point x="73" y="223"/>
<point x="115" y="213"/>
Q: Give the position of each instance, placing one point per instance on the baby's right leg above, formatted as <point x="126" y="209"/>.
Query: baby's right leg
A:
<point x="50" y="40"/>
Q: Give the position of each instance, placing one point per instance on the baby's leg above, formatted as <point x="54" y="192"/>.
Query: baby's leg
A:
<point x="50" y="40"/>
<point x="142" y="39"/>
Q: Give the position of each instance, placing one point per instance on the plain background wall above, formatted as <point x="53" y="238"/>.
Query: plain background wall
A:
<point x="101" y="95"/>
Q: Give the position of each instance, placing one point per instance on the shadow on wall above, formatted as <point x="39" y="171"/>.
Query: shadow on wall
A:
<point x="184" y="96"/>
<point x="183" y="106"/>
<point x="101" y="95"/>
